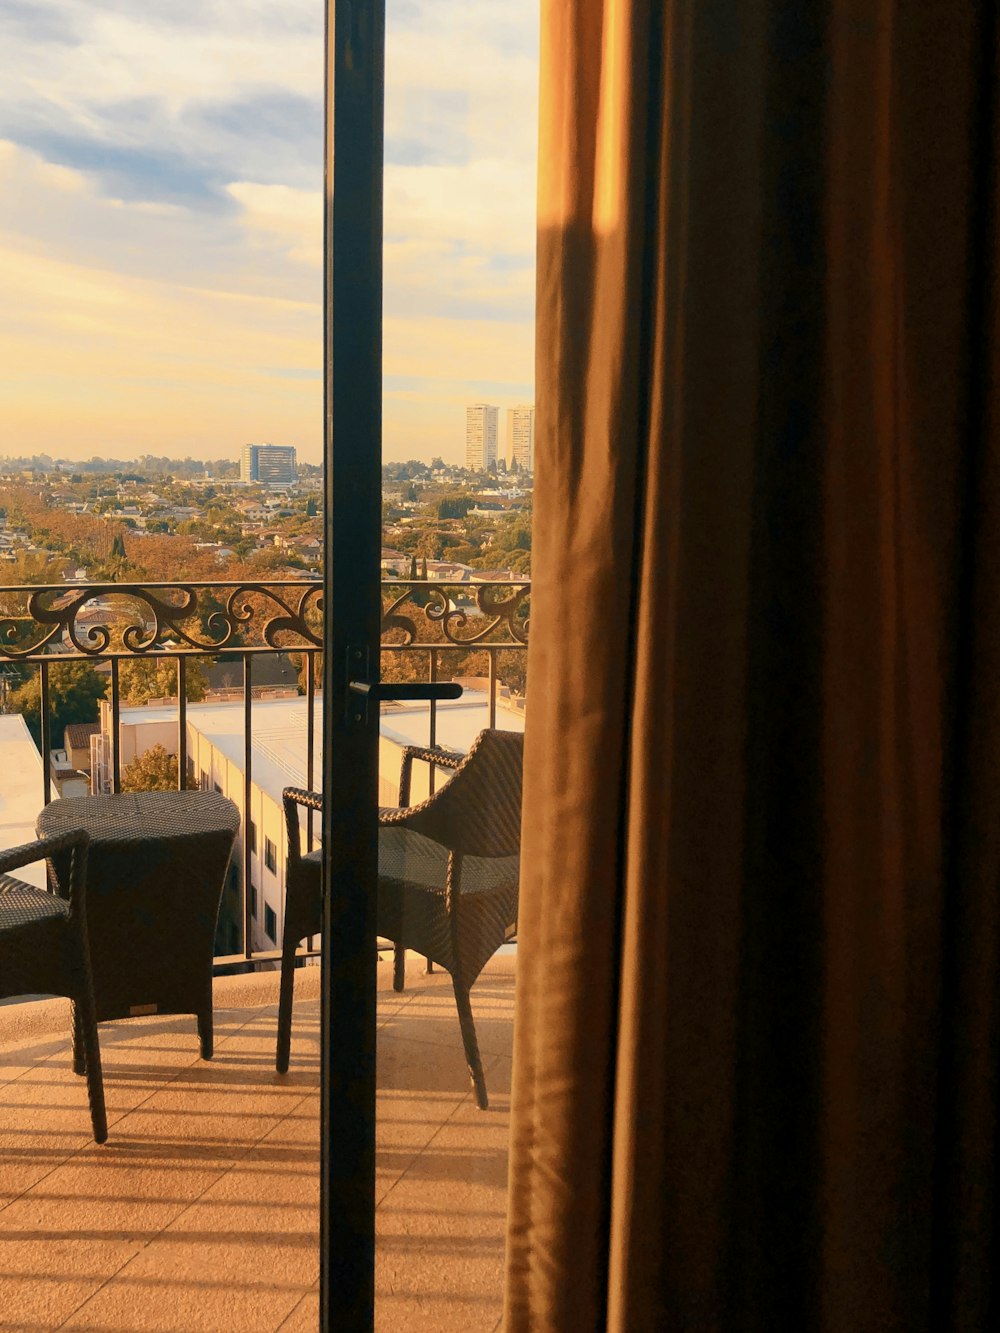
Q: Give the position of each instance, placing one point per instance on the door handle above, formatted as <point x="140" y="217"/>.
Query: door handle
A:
<point x="361" y="693"/>
<point x="415" y="690"/>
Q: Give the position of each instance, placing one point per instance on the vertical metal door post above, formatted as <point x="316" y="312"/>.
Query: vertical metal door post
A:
<point x="355" y="56"/>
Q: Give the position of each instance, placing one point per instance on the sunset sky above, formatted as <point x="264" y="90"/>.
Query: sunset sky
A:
<point x="160" y="223"/>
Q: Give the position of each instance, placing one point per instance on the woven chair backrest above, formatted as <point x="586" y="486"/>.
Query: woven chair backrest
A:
<point x="478" y="813"/>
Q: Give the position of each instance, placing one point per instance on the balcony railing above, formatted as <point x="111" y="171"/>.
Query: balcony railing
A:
<point x="430" y="630"/>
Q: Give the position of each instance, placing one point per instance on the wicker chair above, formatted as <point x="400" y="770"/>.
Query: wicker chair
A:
<point x="44" y="950"/>
<point x="447" y="876"/>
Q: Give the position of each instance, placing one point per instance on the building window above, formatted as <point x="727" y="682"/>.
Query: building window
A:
<point x="270" y="856"/>
<point x="270" y="924"/>
<point x="204" y="781"/>
<point x="218" y="787"/>
<point x="253" y="837"/>
<point x="253" y="901"/>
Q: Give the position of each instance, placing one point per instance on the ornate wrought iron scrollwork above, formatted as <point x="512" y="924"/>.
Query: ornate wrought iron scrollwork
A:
<point x="160" y="619"/>
<point x="466" y="615"/>
<point x="163" y="619"/>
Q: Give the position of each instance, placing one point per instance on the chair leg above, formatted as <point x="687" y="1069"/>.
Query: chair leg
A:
<point x="471" y="1043"/>
<point x="398" y="966"/>
<point x="286" y="993"/>
<point x="85" y="1023"/>
<point x="206" y="1032"/>
<point x="79" y="1057"/>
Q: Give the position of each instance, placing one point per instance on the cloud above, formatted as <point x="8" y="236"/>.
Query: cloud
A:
<point x="142" y="173"/>
<point x="282" y="219"/>
<point x="162" y="172"/>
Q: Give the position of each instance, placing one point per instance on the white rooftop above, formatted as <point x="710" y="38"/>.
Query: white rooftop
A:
<point x="279" y="734"/>
<point x="459" y="721"/>
<point x="21" y="795"/>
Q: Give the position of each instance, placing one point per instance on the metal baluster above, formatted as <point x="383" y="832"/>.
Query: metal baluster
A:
<point x="116" y="713"/>
<point x="432" y="768"/>
<point x="247" y="747"/>
<point x="310" y="742"/>
<point x="182" y="739"/>
<point x="46" y="724"/>
<point x="432" y="677"/>
<point x="493" y="687"/>
<point x="310" y="760"/>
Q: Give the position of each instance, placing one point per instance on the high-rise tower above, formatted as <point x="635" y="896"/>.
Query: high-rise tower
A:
<point x="481" y="431"/>
<point x="521" y="436"/>
<point x="268" y="464"/>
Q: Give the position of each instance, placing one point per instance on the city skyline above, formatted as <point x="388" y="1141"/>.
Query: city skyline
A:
<point x="160" y="227"/>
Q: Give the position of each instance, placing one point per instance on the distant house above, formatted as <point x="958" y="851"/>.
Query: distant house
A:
<point x="395" y="564"/>
<point x="449" y="571"/>
<point x="220" y="552"/>
<point x="271" y="672"/>
<point x="501" y="576"/>
<point x="77" y="743"/>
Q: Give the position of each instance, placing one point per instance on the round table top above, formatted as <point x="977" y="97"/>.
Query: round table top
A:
<point x="129" y="816"/>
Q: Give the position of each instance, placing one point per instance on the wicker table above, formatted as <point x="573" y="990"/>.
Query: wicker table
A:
<point x="155" y="876"/>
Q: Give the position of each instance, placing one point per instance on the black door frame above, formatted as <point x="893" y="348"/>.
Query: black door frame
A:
<point x="352" y="379"/>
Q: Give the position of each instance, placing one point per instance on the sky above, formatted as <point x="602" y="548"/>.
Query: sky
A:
<point x="161" y="222"/>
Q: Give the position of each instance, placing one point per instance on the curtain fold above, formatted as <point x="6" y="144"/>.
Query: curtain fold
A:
<point x="757" y="1032"/>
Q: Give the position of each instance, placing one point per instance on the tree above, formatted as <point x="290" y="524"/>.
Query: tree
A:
<point x="153" y="770"/>
<point x="463" y="553"/>
<point x="74" y="689"/>
<point x="143" y="678"/>
<point x="455" y="506"/>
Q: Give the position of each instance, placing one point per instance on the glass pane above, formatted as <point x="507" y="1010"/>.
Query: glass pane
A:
<point x="460" y="168"/>
<point x="160" y="510"/>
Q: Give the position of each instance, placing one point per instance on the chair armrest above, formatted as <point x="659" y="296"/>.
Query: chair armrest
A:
<point x="291" y="798"/>
<point x="430" y="754"/>
<point x="72" y="885"/>
<point x="312" y="800"/>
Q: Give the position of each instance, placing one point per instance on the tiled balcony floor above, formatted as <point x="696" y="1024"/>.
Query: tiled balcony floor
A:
<point x="200" y="1212"/>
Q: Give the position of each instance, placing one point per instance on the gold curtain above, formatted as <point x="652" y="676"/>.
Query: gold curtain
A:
<point x="756" y="1045"/>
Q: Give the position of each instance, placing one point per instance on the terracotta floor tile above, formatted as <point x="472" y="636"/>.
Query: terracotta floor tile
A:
<point x="25" y="1059"/>
<point x="441" y="1234"/>
<point x="185" y="1297"/>
<point x="305" y="1317"/>
<point x="51" y="1260"/>
<point x="42" y="1124"/>
<point x="431" y="1016"/>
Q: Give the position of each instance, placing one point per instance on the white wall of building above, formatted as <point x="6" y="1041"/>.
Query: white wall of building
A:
<point x="215" y="745"/>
